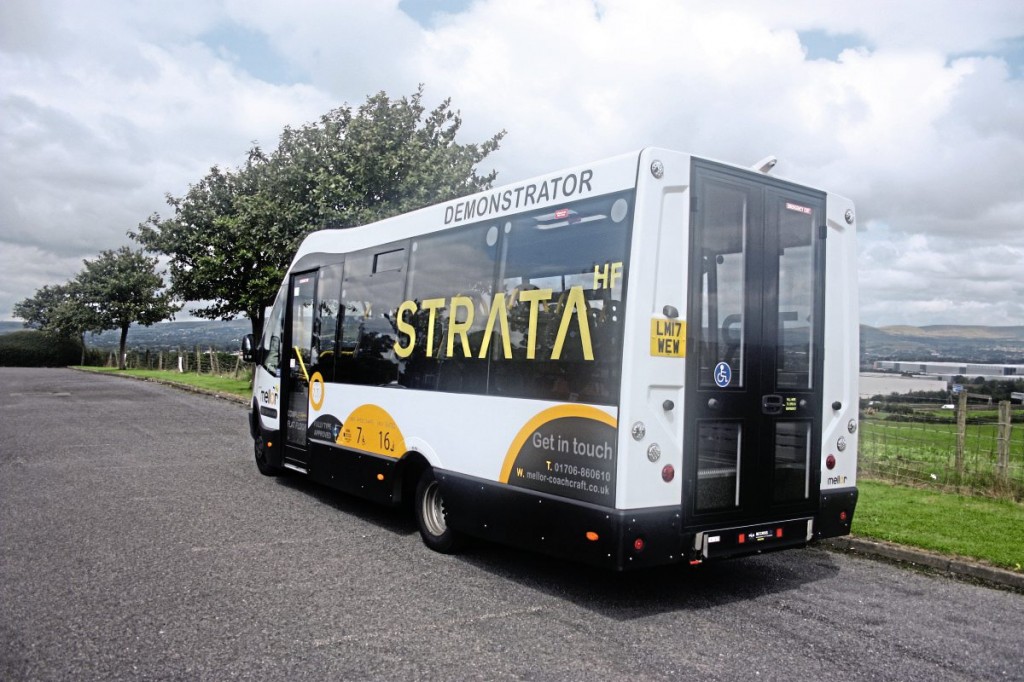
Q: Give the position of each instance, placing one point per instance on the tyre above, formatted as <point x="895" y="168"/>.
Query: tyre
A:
<point x="431" y="516"/>
<point x="262" y="461"/>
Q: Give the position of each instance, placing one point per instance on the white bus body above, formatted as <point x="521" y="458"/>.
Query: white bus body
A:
<point x="643" y="360"/>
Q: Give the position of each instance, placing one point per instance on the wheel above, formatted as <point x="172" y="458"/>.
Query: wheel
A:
<point x="262" y="463"/>
<point x="431" y="516"/>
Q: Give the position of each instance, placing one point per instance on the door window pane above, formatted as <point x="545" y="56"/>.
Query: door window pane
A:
<point x="796" y="295"/>
<point x="723" y="261"/>
<point x="718" y="465"/>
<point x="325" y="326"/>
<point x="301" y="319"/>
<point x="792" y="461"/>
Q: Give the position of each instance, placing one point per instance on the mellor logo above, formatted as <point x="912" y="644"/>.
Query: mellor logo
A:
<point x="269" y="398"/>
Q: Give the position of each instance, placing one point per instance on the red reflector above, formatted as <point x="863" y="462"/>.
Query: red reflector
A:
<point x="842" y="516"/>
<point x="830" y="462"/>
<point x="743" y="538"/>
<point x="638" y="544"/>
<point x="668" y="472"/>
<point x="778" y="532"/>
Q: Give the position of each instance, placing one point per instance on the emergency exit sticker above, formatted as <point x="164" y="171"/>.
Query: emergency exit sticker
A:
<point x="668" y="338"/>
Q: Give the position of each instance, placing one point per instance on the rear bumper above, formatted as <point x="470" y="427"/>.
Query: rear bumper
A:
<point x="622" y="539"/>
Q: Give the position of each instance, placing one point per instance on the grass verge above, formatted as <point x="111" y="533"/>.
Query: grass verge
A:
<point x="207" y="382"/>
<point x="976" y="527"/>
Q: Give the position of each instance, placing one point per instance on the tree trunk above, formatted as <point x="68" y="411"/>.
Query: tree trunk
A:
<point x="124" y="342"/>
<point x="83" y="349"/>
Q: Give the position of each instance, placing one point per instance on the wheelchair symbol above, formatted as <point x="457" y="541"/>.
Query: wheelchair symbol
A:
<point x="723" y="374"/>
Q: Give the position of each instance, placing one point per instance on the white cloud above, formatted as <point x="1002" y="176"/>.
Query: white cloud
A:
<point x="919" y="117"/>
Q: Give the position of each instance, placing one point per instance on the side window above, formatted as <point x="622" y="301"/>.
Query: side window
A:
<point x="273" y="332"/>
<point x="370" y="296"/>
<point x="563" y="276"/>
<point x="325" y="324"/>
<point x="449" y="298"/>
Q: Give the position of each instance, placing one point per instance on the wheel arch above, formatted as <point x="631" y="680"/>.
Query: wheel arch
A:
<point x="410" y="467"/>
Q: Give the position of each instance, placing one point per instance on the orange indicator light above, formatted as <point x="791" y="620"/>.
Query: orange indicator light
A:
<point x="380" y="477"/>
<point x="592" y="536"/>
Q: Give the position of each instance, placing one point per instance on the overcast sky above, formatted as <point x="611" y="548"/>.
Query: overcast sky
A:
<point x="913" y="109"/>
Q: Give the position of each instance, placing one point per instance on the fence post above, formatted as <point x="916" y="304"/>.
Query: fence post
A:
<point x="199" y="361"/>
<point x="961" y="435"/>
<point x="1003" y="440"/>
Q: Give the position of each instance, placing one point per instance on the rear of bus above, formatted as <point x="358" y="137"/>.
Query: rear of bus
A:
<point x="743" y="439"/>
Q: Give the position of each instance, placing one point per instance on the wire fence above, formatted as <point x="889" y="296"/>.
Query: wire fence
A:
<point x="197" y="360"/>
<point x="968" y="447"/>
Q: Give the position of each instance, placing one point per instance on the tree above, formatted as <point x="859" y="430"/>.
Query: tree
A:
<point x="41" y="311"/>
<point x="233" y="234"/>
<point x="118" y="289"/>
<point x="57" y="310"/>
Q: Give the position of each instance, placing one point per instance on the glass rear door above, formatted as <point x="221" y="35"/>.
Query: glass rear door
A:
<point x="753" y="408"/>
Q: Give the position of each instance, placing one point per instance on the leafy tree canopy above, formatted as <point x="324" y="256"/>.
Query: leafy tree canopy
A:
<point x="42" y="311"/>
<point x="233" y="234"/>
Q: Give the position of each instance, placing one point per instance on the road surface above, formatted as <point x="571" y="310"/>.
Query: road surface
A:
<point x="139" y="542"/>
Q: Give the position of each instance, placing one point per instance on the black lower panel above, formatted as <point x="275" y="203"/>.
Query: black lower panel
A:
<point x="560" y="527"/>
<point x="836" y="513"/>
<point x="369" y="476"/>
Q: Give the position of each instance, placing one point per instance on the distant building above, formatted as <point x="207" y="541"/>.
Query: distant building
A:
<point x="948" y="370"/>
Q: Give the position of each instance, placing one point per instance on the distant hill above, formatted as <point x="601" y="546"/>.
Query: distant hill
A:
<point x="943" y="331"/>
<point x="168" y="335"/>
<point x="954" y="343"/>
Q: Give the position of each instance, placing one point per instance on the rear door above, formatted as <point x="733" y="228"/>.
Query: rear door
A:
<point x="753" y="403"/>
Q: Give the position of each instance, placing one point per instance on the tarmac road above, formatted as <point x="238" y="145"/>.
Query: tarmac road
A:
<point x="137" y="540"/>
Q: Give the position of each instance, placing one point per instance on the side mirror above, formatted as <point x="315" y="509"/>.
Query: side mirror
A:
<point x="248" y="348"/>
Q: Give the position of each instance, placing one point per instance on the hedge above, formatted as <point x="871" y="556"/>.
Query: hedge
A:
<point x="32" y="348"/>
